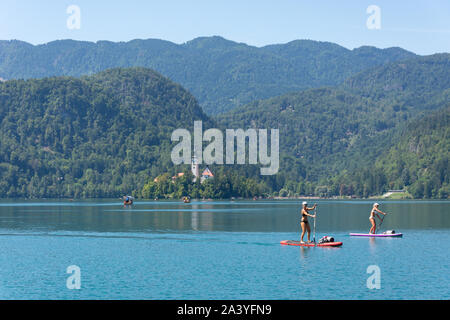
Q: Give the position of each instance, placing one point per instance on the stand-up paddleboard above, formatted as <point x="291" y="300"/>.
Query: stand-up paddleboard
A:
<point x="377" y="235"/>
<point x="298" y="243"/>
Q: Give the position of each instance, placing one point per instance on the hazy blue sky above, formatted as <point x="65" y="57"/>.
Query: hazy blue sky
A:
<point x="417" y="25"/>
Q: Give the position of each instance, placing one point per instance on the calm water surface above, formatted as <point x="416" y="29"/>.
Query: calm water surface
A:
<point x="219" y="250"/>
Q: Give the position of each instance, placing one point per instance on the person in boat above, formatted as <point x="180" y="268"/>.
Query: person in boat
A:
<point x="304" y="221"/>
<point x="127" y="201"/>
<point x="374" y="212"/>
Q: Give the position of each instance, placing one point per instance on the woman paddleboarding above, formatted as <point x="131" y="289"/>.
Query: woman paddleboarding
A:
<point x="304" y="222"/>
<point x="374" y="213"/>
<point x="325" y="241"/>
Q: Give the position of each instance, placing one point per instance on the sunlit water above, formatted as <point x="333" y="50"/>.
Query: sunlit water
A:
<point x="219" y="250"/>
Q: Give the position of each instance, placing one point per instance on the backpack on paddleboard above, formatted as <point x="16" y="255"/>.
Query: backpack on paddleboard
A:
<point x="326" y="239"/>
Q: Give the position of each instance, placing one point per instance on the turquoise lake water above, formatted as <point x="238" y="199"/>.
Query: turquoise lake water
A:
<point x="219" y="250"/>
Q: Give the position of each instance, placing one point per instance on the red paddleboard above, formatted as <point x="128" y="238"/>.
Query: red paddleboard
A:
<point x="298" y="243"/>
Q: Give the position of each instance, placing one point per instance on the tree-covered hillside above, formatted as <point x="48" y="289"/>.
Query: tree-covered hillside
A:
<point x="414" y="157"/>
<point x="108" y="134"/>
<point x="99" y="136"/>
<point x="337" y="131"/>
<point x="221" y="74"/>
<point x="420" y="158"/>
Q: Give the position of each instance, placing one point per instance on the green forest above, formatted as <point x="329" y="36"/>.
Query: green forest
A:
<point x="340" y="138"/>
<point x="98" y="136"/>
<point x="225" y="185"/>
<point x="220" y="73"/>
<point x="108" y="134"/>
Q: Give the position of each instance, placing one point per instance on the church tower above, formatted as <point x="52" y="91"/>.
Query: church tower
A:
<point x="194" y="168"/>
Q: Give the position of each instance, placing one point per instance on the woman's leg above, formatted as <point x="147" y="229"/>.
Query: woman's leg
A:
<point x="374" y="226"/>
<point x="309" y="232"/>
<point x="303" y="231"/>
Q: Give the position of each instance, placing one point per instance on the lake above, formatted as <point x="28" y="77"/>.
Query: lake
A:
<point x="220" y="250"/>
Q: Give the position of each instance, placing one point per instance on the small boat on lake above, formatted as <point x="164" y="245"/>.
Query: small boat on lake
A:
<point x="128" y="201"/>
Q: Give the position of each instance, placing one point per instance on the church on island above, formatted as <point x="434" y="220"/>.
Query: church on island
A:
<point x="206" y="174"/>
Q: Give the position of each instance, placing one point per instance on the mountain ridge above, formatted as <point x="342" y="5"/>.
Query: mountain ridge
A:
<point x="221" y="73"/>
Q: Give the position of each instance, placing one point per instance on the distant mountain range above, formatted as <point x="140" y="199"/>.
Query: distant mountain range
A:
<point x="352" y="122"/>
<point x="221" y="74"/>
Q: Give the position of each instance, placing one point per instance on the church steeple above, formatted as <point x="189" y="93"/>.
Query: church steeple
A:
<point x="194" y="168"/>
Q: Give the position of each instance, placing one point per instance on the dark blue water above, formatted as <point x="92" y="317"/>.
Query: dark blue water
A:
<point x="219" y="250"/>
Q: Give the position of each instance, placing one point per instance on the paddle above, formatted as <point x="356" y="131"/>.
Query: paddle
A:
<point x="315" y="215"/>
<point x="378" y="228"/>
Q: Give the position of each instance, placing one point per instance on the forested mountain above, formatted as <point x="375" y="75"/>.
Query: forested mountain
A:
<point x="108" y="134"/>
<point x="221" y="74"/>
<point x="420" y="157"/>
<point x="97" y="136"/>
<point x="338" y="131"/>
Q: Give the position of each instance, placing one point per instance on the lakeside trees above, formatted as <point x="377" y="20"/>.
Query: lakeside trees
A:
<point x="223" y="186"/>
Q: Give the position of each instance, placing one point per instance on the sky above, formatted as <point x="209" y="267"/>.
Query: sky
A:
<point x="419" y="26"/>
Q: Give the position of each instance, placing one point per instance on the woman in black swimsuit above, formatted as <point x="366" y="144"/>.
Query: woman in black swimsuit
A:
<point x="304" y="222"/>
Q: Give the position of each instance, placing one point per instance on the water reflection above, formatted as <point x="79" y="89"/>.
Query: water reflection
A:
<point x="237" y="216"/>
<point x="372" y="245"/>
<point x="194" y="220"/>
<point x="304" y="252"/>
